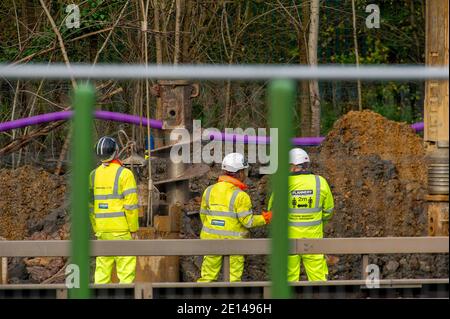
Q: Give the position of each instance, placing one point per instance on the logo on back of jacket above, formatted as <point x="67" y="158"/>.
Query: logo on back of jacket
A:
<point x="302" y="198"/>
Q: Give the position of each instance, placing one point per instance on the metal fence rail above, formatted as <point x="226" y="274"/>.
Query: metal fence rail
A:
<point x="388" y="288"/>
<point x="221" y="72"/>
<point x="198" y="247"/>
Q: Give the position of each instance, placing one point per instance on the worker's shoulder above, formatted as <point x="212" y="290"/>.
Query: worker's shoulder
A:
<point x="126" y="172"/>
<point x="322" y="179"/>
<point x="242" y="195"/>
<point x="323" y="182"/>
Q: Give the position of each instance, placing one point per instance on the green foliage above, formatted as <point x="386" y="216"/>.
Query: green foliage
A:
<point x="328" y="117"/>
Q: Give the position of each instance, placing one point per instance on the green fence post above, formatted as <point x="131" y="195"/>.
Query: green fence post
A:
<point x="281" y="100"/>
<point x="84" y="99"/>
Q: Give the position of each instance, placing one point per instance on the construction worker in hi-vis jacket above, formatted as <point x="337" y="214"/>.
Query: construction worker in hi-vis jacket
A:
<point x="114" y="210"/>
<point x="226" y="213"/>
<point x="311" y="207"/>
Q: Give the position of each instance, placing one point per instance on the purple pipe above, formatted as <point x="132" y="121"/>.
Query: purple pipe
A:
<point x="136" y="120"/>
<point x="126" y="118"/>
<point x="307" y="141"/>
<point x="34" y="120"/>
<point x="65" y="115"/>
<point x="418" y="126"/>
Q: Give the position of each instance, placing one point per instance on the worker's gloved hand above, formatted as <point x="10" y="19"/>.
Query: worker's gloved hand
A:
<point x="134" y="235"/>
<point x="267" y="216"/>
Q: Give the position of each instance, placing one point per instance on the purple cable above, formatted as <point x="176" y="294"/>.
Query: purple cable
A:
<point x="65" y="115"/>
<point x="126" y="118"/>
<point x="136" y="120"/>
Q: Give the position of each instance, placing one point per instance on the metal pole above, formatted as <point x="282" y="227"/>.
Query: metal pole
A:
<point x="281" y="99"/>
<point x="84" y="100"/>
<point x="223" y="72"/>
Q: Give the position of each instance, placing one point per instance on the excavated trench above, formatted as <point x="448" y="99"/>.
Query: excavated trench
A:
<point x="375" y="167"/>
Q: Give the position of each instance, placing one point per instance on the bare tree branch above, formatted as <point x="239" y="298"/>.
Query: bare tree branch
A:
<point x="60" y="39"/>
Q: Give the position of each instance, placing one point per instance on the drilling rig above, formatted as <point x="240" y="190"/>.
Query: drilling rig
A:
<point x="436" y="118"/>
<point x="161" y="201"/>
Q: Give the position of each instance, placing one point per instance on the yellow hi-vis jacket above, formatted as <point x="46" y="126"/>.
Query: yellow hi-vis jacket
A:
<point x="114" y="207"/>
<point x="226" y="211"/>
<point x="311" y="205"/>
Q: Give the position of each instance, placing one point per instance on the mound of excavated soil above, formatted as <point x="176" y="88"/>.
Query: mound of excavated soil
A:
<point x="33" y="207"/>
<point x="377" y="172"/>
<point x="28" y="195"/>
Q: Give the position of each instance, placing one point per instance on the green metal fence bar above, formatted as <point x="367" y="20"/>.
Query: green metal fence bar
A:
<point x="281" y="100"/>
<point x="84" y="99"/>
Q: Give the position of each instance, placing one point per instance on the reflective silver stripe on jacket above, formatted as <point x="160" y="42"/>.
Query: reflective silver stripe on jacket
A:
<point x="116" y="181"/>
<point x="128" y="192"/>
<point x="93" y="178"/>
<point x="223" y="232"/>
<point x="92" y="188"/>
<point x="217" y="213"/>
<point x="305" y="210"/>
<point x="244" y="214"/>
<point x="233" y="199"/>
<point x="317" y="191"/>
<point x="207" y="194"/>
<point x="249" y="223"/>
<point x="110" y="215"/>
<point x="131" y="207"/>
<point x="103" y="197"/>
<point x="305" y="224"/>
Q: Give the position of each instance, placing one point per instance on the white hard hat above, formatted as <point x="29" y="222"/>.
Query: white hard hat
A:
<point x="234" y="162"/>
<point x="298" y="156"/>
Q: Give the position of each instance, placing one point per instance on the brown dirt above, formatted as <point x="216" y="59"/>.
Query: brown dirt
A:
<point x="33" y="207"/>
<point x="28" y="195"/>
<point x="376" y="169"/>
<point x="377" y="172"/>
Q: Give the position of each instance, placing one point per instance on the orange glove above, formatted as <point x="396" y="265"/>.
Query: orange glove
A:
<point x="267" y="216"/>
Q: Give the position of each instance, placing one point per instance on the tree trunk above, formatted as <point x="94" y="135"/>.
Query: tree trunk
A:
<point x="355" y="41"/>
<point x="312" y="52"/>
<point x="159" y="60"/>
<point x="176" y="51"/>
<point x="185" y="56"/>
<point x="304" y="107"/>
